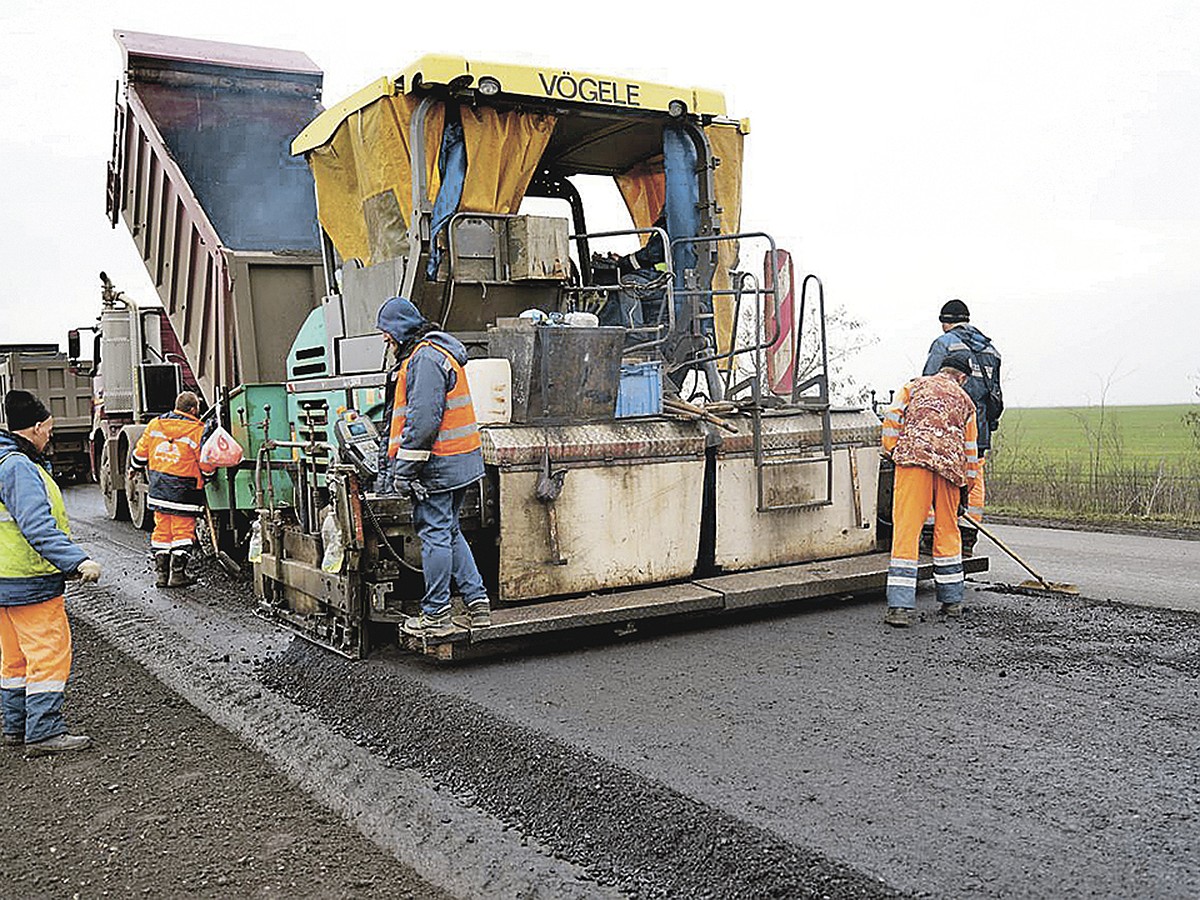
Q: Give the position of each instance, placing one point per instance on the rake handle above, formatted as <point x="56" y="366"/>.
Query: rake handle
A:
<point x="971" y="523"/>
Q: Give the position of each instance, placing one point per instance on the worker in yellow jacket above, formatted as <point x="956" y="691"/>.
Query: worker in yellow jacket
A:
<point x="170" y="449"/>
<point x="931" y="435"/>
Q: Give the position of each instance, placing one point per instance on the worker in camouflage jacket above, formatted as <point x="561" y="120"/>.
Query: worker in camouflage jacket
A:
<point x="983" y="384"/>
<point x="36" y="556"/>
<point x="930" y="434"/>
<point x="433" y="454"/>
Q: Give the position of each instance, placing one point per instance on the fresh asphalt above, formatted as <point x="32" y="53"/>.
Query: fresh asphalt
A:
<point x="1037" y="747"/>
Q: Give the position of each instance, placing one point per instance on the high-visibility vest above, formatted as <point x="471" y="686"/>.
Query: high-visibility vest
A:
<point x="18" y="559"/>
<point x="458" y="432"/>
<point x="171" y="445"/>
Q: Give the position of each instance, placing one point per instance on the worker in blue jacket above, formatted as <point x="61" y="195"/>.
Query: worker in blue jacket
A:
<point x="36" y="556"/>
<point x="432" y="455"/>
<point x="983" y="387"/>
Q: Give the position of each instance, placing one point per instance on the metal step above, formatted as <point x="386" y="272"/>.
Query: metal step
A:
<point x="743" y="590"/>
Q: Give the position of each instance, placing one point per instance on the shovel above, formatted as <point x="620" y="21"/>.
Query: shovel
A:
<point x="226" y="561"/>
<point x="1041" y="585"/>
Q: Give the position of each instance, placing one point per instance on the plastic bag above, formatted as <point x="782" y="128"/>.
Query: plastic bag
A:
<point x="331" y="537"/>
<point x="221" y="450"/>
<point x="254" y="554"/>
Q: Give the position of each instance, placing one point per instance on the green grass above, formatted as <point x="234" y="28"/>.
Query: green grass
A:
<point x="1144" y="434"/>
<point x="1135" y="464"/>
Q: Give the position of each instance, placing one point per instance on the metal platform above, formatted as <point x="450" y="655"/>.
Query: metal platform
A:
<point x="721" y="593"/>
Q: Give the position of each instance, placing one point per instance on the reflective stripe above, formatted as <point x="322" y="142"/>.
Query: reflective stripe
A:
<point x="947" y="560"/>
<point x="460" y="432"/>
<point x="159" y="434"/>
<point x="907" y="581"/>
<point x="902" y="563"/>
<point x="10" y="684"/>
<point x="413" y="455"/>
<point x="891" y="432"/>
<point x="189" y="442"/>
<point x="947" y="577"/>
<point x="159" y="545"/>
<point x="458" y="402"/>
<point x="45" y="687"/>
<point x="156" y="503"/>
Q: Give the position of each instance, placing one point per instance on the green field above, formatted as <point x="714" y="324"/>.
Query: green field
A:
<point x="1138" y="434"/>
<point x="1121" y="464"/>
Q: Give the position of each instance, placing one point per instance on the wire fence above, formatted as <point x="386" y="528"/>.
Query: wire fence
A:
<point x="1116" y="487"/>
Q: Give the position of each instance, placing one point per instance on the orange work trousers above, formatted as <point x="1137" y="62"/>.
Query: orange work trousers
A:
<point x="974" y="501"/>
<point x="35" y="662"/>
<point x="173" y="532"/>
<point x="915" y="490"/>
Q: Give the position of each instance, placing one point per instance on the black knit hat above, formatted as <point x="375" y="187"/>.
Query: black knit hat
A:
<point x="955" y="311"/>
<point x="959" y="361"/>
<point x="23" y="410"/>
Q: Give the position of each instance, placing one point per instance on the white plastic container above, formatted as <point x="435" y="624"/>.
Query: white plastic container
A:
<point x="490" y="381"/>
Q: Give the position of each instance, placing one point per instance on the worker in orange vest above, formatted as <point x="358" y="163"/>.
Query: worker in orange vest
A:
<point x="931" y="436"/>
<point x="170" y="448"/>
<point x="433" y="455"/>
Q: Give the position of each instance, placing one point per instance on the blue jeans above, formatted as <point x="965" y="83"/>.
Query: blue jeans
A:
<point x="445" y="553"/>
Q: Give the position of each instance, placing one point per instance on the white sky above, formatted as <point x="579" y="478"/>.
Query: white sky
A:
<point x="1037" y="159"/>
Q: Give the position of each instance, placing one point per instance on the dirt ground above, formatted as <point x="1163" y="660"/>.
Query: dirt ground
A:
<point x="167" y="804"/>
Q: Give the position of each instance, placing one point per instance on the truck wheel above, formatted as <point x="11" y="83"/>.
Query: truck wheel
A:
<point x="136" y="495"/>
<point x="113" y="490"/>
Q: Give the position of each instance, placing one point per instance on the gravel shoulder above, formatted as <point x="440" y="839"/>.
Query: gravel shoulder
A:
<point x="169" y="804"/>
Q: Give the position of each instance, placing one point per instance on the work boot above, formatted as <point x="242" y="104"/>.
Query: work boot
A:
<point x="898" y="617"/>
<point x="438" y="625"/>
<point x="13" y="740"/>
<point x="480" y="613"/>
<point x="179" y="573"/>
<point x="61" y="743"/>
<point x="952" y="610"/>
<point x="162" y="569"/>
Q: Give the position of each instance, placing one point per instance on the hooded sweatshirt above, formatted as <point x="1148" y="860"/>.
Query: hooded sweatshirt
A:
<point x="985" y="370"/>
<point x="429" y="379"/>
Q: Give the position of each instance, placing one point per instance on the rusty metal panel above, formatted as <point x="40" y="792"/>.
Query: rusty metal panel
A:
<point x="620" y="525"/>
<point x="749" y="539"/>
<point x="523" y="445"/>
<point x="803" y="429"/>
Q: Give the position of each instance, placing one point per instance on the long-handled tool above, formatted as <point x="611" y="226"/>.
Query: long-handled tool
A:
<point x="1041" y="586"/>
<point x="226" y="561"/>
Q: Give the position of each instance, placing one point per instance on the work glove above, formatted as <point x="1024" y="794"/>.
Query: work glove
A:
<point x="412" y="489"/>
<point x="964" y="499"/>
<point x="89" y="571"/>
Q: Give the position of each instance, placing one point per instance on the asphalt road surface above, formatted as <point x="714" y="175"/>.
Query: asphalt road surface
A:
<point x="1037" y="747"/>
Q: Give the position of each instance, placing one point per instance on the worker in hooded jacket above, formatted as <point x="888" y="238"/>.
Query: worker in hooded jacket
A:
<point x="931" y="436"/>
<point x="36" y="556"/>
<point x="983" y="386"/>
<point x="433" y="455"/>
<point x="170" y="449"/>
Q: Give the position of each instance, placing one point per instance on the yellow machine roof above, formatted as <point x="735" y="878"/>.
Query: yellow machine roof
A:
<point x="530" y="83"/>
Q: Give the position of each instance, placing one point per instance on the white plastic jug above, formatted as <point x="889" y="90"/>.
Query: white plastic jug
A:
<point x="490" y="381"/>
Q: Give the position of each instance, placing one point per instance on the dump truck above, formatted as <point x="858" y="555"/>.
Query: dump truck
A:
<point x="224" y="220"/>
<point x="696" y="467"/>
<point x="44" y="370"/>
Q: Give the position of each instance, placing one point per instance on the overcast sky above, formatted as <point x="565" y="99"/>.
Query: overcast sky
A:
<point x="1038" y="160"/>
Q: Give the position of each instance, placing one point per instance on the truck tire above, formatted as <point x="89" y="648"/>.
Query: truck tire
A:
<point x="113" y="489"/>
<point x="136" y="495"/>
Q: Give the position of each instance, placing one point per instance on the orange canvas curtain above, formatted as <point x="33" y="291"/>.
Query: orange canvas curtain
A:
<point x="364" y="177"/>
<point x="503" y="152"/>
